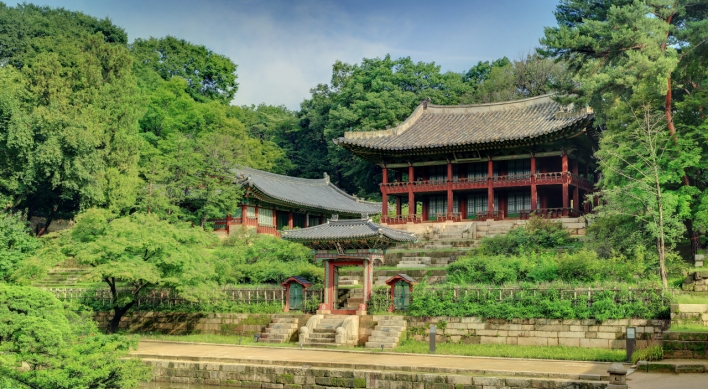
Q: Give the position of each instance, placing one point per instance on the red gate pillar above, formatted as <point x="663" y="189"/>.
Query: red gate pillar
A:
<point x="566" y="178"/>
<point x="534" y="193"/>
<point x="490" y="189"/>
<point x="449" y="191"/>
<point x="411" y="196"/>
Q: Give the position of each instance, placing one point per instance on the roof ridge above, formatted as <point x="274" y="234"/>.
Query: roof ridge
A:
<point x="547" y="96"/>
<point x="283" y="177"/>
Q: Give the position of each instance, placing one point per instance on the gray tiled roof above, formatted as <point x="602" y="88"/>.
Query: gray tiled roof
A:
<point x="311" y="193"/>
<point x="439" y="126"/>
<point x="348" y="229"/>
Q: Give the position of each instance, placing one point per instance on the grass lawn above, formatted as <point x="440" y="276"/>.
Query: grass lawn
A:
<point x="691" y="299"/>
<point x="512" y="351"/>
<point x="688" y="328"/>
<point x="220" y="339"/>
<point x="415" y="347"/>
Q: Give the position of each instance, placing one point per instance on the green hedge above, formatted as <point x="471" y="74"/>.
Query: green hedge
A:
<point x="528" y="302"/>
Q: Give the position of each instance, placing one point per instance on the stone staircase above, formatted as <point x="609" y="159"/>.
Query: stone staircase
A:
<point x="323" y="335"/>
<point x="61" y="277"/>
<point x="414" y="262"/>
<point x="387" y="332"/>
<point x="348" y="281"/>
<point x="280" y="330"/>
<point x="354" y="298"/>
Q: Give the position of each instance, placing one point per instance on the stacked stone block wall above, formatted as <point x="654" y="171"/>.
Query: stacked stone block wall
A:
<point x="685" y="345"/>
<point x="689" y="314"/>
<point x="306" y="377"/>
<point x="610" y="334"/>
<point x="175" y="323"/>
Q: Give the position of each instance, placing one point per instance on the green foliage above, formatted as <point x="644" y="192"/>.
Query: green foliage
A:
<point x="209" y="76"/>
<point x="648" y="354"/>
<point x="63" y="349"/>
<point x="248" y="258"/>
<point x="530" y="302"/>
<point x="610" y="234"/>
<point x="514" y="351"/>
<point x="139" y="253"/>
<point x="537" y="234"/>
<point x="16" y="243"/>
<point x="580" y="267"/>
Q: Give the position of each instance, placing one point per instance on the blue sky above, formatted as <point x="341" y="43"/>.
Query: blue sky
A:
<point x="284" y="48"/>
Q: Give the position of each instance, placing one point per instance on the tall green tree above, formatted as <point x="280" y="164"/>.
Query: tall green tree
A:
<point x="641" y="167"/>
<point x="209" y="76"/>
<point x="45" y="344"/>
<point x="375" y="94"/>
<point x="69" y="129"/>
<point x="625" y="54"/>
<point x="135" y="255"/>
<point x="16" y="243"/>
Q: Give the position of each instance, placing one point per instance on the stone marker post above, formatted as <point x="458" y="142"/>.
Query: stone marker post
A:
<point x="618" y="376"/>
<point x="433" y="330"/>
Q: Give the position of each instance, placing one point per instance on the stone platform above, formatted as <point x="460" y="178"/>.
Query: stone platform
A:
<point x="168" y="357"/>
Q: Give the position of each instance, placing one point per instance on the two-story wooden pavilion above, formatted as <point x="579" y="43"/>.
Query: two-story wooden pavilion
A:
<point x="274" y="202"/>
<point x="500" y="160"/>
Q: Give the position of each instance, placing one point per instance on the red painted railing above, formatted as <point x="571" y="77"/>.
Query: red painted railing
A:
<point x="553" y="178"/>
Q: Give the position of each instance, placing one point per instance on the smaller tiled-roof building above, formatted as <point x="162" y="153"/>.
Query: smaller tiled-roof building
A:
<point x="500" y="160"/>
<point x="274" y="202"/>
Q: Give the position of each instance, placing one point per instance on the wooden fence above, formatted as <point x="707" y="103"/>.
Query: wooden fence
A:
<point x="169" y="298"/>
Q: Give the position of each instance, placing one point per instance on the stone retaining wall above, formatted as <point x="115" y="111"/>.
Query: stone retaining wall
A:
<point x="689" y="314"/>
<point x="609" y="334"/>
<point x="307" y="377"/>
<point x="175" y="323"/>
<point x="685" y="345"/>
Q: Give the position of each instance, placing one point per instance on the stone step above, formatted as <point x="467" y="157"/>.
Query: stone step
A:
<point x="355" y="300"/>
<point x="413" y="262"/>
<point x="417" y="259"/>
<point x="388" y="317"/>
<point x="274" y="338"/>
<point x="321" y="330"/>
<point x="348" y="282"/>
<point x="284" y="321"/>
<point x="279" y="331"/>
<point x="384" y="339"/>
<point x="379" y="332"/>
<point x="400" y="326"/>
<point x="379" y="344"/>
<point x="321" y="344"/>
<point x="412" y="265"/>
<point x="344" y="278"/>
<point x="318" y="336"/>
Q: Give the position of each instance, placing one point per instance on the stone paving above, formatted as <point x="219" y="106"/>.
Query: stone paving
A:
<point x="638" y="380"/>
<point x="368" y="360"/>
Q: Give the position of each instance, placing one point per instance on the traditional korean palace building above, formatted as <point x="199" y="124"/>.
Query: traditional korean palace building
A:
<point x="356" y="242"/>
<point x="502" y="160"/>
<point x="274" y="202"/>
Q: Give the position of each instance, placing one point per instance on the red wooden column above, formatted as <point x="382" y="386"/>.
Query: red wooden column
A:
<point x="290" y="220"/>
<point x="399" y="207"/>
<point x="449" y="190"/>
<point x="384" y="196"/>
<point x="490" y="189"/>
<point x="566" y="178"/>
<point x="275" y="219"/>
<point x="411" y="196"/>
<point x="534" y="193"/>
<point x="576" y="190"/>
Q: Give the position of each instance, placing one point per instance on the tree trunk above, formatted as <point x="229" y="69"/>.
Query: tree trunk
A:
<point x="118" y="313"/>
<point x="50" y="217"/>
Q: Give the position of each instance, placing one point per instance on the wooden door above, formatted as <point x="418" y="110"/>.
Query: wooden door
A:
<point x="295" y="301"/>
<point x="401" y="296"/>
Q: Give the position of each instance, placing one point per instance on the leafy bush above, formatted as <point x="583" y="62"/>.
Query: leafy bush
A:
<point x="537" y="234"/>
<point x="16" y="243"/>
<point x="582" y="266"/>
<point x="248" y="258"/>
<point x="528" y="302"/>
<point x="648" y="354"/>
